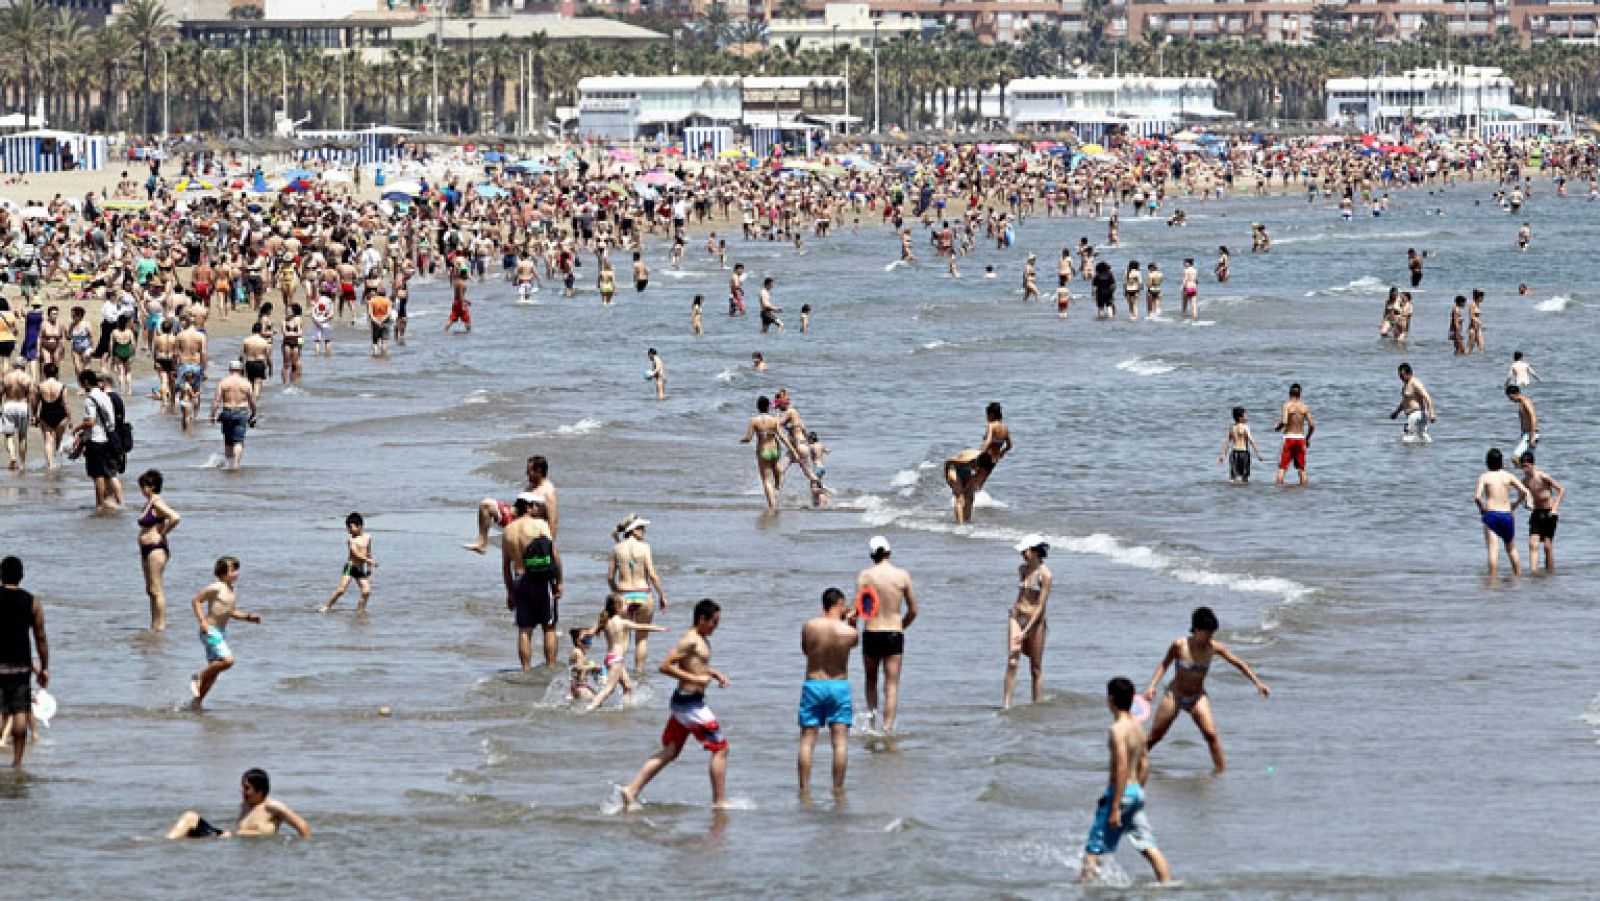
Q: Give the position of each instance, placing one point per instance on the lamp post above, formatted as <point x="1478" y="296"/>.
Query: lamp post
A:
<point x="283" y="57"/>
<point x="244" y="100"/>
<point x="341" y="88"/>
<point x="877" y="124"/>
<point x="472" y="78"/>
<point x="166" y="99"/>
<point x="438" y="42"/>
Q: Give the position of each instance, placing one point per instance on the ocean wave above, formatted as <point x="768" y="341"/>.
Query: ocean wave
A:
<point x="1146" y="366"/>
<point x="1366" y="284"/>
<point x="726" y="375"/>
<point x="582" y="427"/>
<point x="878" y="512"/>
<point x="1555" y="304"/>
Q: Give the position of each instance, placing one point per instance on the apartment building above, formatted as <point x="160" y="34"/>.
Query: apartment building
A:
<point x="1295" y="21"/>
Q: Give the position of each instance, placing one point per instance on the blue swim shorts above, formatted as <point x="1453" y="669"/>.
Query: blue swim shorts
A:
<point x="825" y="702"/>
<point x="216" y="642"/>
<point x="1135" y="825"/>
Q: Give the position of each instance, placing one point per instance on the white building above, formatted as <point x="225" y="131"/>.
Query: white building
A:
<point x="1093" y="106"/>
<point x="626" y="107"/>
<point x="1473" y="99"/>
<point x="842" y="24"/>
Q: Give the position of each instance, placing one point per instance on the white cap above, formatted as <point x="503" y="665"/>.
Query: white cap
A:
<point x="1031" y="541"/>
<point x="634" y="521"/>
<point x="878" y="543"/>
<point x="235" y="366"/>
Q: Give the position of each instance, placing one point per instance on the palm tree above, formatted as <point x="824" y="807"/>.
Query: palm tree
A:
<point x="63" y="33"/>
<point x="24" y="31"/>
<point x="148" y="25"/>
<point x="111" y="45"/>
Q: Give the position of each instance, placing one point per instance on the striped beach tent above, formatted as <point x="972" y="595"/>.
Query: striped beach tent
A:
<point x="704" y="143"/>
<point x="45" y="150"/>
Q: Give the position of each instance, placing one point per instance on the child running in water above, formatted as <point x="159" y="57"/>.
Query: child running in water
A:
<point x="359" y="564"/>
<point x="583" y="671"/>
<point x="616" y="627"/>
<point x="1237" y="447"/>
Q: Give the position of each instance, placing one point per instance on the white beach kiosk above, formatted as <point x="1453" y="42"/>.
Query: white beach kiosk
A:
<point x="378" y="144"/>
<point x="45" y="150"/>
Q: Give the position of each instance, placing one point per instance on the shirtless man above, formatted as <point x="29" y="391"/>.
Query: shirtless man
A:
<point x="1493" y="497"/>
<point x="526" y="278"/>
<point x="1527" y="418"/>
<point x="826" y="641"/>
<point x="238" y="411"/>
<point x="641" y="274"/>
<point x="16" y="414"/>
<point x="1121" y="809"/>
<point x="1545" y="495"/>
<point x="883" y="639"/>
<point x="256" y="352"/>
<point x="769" y="310"/>
<point x="771" y="443"/>
<point x="492" y="512"/>
<point x="258" y="814"/>
<point x="51" y="334"/>
<point x="214" y="607"/>
<point x="530" y="567"/>
<point x="689" y="662"/>
<point x="1417" y="404"/>
<point x="192" y="356"/>
<point x="1295" y="422"/>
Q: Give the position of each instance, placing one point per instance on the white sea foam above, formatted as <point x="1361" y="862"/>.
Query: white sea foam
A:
<point x="1553" y="305"/>
<point x="1366" y="284"/>
<point x="876" y="512"/>
<point x="582" y="427"/>
<point x="983" y="499"/>
<point x="935" y="345"/>
<point x="479" y="396"/>
<point x="1146" y="366"/>
<point x="725" y="376"/>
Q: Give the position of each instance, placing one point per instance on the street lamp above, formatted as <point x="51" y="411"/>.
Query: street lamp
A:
<point x="166" y="98"/>
<point x="877" y="124"/>
<point x="342" y="57"/>
<point x="244" y="99"/>
<point x="438" y="42"/>
<point x="472" y="78"/>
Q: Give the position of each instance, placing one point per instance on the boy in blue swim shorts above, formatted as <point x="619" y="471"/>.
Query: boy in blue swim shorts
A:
<point x="214" y="607"/>
<point x="825" y="697"/>
<point x="1120" y="813"/>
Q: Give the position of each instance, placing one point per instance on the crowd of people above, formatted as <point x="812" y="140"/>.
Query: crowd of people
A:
<point x="162" y="270"/>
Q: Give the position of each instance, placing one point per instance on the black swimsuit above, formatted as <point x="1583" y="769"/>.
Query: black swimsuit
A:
<point x="53" y="412"/>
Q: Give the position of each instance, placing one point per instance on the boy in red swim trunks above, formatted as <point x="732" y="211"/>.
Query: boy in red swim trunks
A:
<point x="690" y="663"/>
<point x="1296" y="425"/>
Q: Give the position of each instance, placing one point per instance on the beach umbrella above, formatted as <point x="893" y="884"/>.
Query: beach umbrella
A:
<point x="736" y="153"/>
<point x="494" y="156"/>
<point x="400" y="197"/>
<point x="657" y="177"/>
<point x="193" y="184"/>
<point x="529" y="167"/>
<point x="1092" y="149"/>
<point x="672" y="151"/>
<point x="125" y="204"/>
<point x="618" y="153"/>
<point x="490" y="191"/>
<point x="297" y="174"/>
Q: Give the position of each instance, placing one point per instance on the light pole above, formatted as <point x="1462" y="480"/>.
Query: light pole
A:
<point x="438" y="42"/>
<point x="472" y="79"/>
<point x="166" y="99"/>
<point x="244" y="102"/>
<point x="877" y="124"/>
<point x="341" y="87"/>
<point x="283" y="58"/>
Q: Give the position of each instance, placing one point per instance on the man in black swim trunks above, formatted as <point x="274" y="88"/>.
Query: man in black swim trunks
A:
<point x="21" y="633"/>
<point x="1545" y="495"/>
<point x="259" y="814"/>
<point x="883" y="632"/>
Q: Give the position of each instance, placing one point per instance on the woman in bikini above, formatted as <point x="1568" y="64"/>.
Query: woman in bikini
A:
<point x="1191" y="657"/>
<point x="771" y="443"/>
<point x="291" y="344"/>
<point x="155" y="524"/>
<point x="632" y="575"/>
<point x="1025" y="629"/>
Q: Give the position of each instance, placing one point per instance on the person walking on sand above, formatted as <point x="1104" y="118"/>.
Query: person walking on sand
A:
<point x="826" y="642"/>
<point x="1191" y="657"/>
<point x="689" y="662"/>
